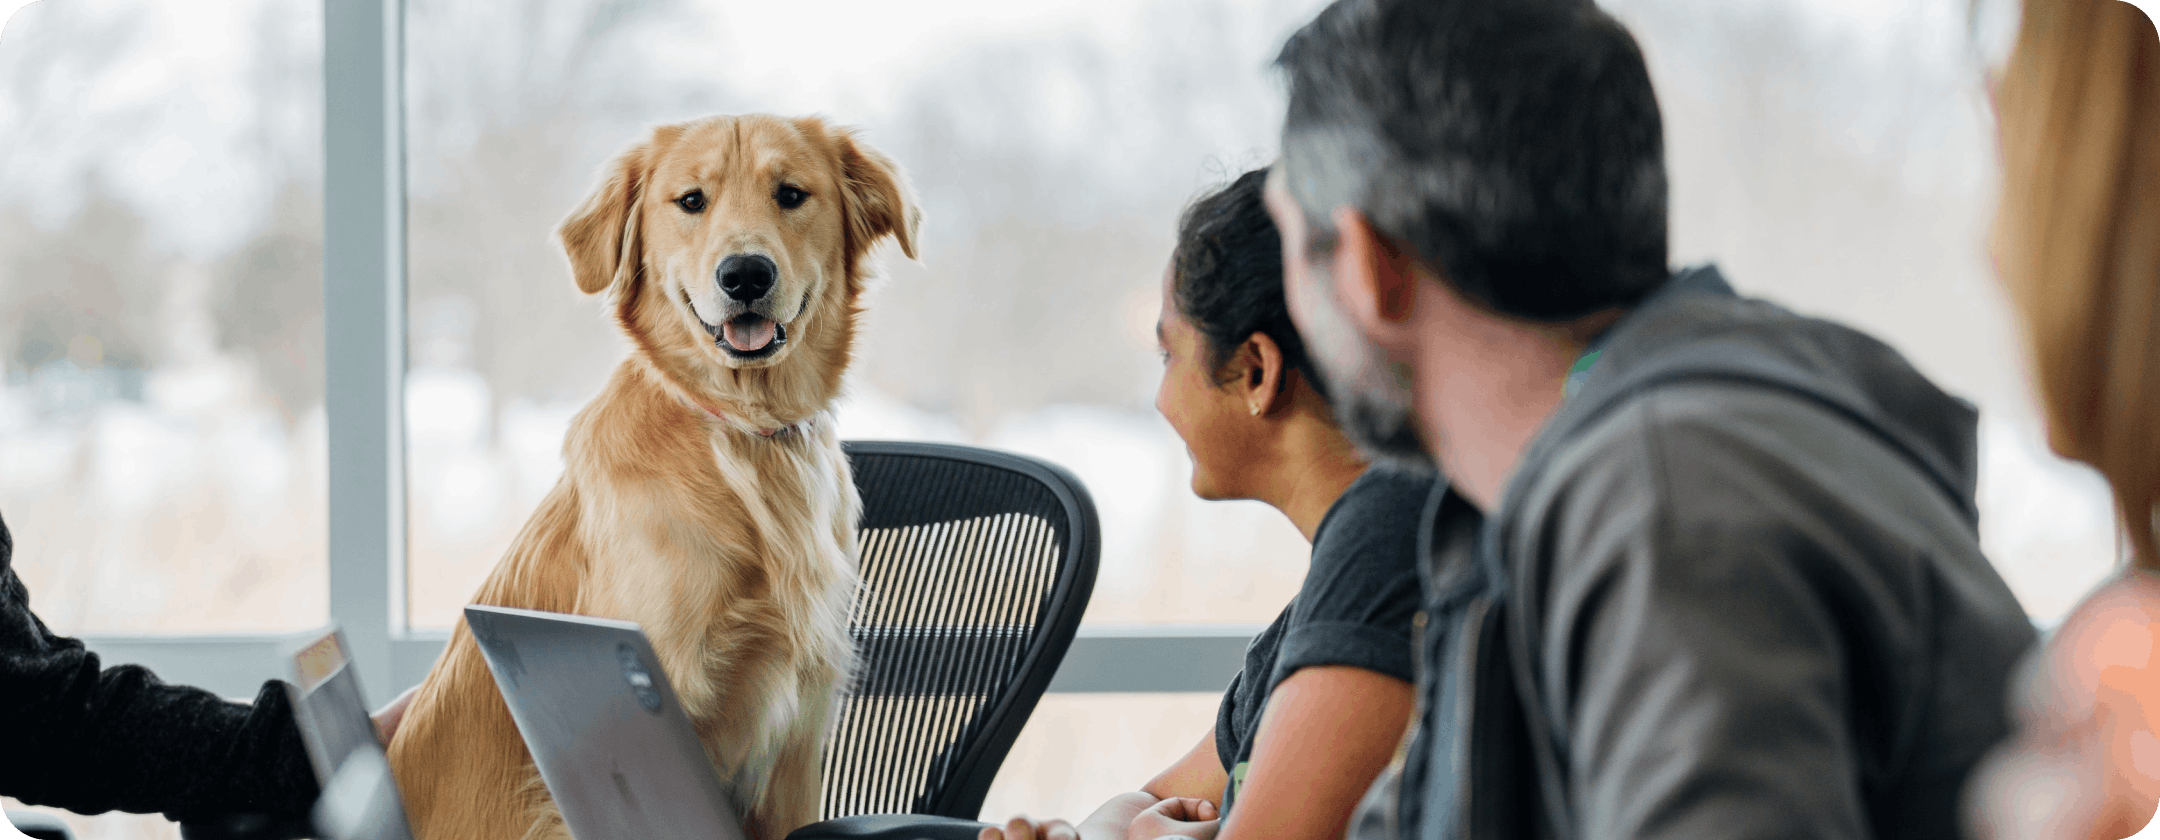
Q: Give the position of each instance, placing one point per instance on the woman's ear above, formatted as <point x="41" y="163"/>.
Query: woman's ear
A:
<point x="601" y="236"/>
<point x="1259" y="371"/>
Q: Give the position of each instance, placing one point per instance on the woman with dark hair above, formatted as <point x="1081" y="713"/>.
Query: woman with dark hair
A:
<point x="1325" y="693"/>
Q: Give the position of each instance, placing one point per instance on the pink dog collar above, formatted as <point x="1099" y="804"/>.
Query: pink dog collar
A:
<point x="690" y="403"/>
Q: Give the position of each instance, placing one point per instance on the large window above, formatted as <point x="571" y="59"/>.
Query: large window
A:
<point x="1053" y="145"/>
<point x="1839" y="158"/>
<point x="161" y="397"/>
<point x="162" y="430"/>
<point x="170" y="468"/>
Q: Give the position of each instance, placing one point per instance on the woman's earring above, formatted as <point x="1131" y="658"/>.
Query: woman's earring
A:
<point x="1255" y="410"/>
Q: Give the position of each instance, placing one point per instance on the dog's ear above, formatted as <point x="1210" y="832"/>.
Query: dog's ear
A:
<point x="601" y="237"/>
<point x="879" y="199"/>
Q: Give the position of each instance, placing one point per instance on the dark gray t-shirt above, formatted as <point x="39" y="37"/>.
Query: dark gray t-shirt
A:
<point x="1355" y="607"/>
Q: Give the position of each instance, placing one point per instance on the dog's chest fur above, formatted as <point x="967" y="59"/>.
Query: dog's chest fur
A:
<point x="743" y="573"/>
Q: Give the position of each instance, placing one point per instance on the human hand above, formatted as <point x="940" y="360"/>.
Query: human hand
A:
<point x="1022" y="828"/>
<point x="388" y="717"/>
<point x="1177" y="816"/>
<point x="2078" y="766"/>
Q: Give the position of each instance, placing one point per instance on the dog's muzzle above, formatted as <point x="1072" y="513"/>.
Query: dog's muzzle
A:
<point x="748" y="330"/>
<point x="749" y="336"/>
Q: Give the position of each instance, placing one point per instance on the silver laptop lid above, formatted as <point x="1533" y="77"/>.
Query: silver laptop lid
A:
<point x="603" y="725"/>
<point x="359" y="800"/>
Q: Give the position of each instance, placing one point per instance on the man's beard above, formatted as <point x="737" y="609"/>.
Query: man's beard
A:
<point x="1371" y="396"/>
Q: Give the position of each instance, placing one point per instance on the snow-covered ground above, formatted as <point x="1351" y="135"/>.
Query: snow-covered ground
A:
<point x="2046" y="523"/>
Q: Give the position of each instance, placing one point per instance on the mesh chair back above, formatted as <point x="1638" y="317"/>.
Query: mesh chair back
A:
<point x="976" y="567"/>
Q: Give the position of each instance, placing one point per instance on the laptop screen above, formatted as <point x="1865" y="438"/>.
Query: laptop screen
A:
<point x="359" y="798"/>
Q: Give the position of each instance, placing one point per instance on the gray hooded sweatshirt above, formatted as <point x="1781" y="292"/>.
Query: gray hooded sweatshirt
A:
<point x="1734" y="589"/>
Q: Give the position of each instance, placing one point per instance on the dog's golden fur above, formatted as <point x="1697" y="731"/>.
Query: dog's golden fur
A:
<point x="734" y="549"/>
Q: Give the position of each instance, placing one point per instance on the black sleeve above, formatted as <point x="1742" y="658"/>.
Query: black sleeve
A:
<point x="1362" y="592"/>
<point x="91" y="740"/>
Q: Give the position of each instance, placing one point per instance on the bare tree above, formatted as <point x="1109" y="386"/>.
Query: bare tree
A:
<point x="1053" y="170"/>
<point x="513" y="108"/>
<point x="87" y="292"/>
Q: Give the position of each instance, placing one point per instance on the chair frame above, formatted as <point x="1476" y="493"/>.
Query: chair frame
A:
<point x="977" y="766"/>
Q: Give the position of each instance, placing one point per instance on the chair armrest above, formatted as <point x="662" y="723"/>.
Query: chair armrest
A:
<point x="248" y="826"/>
<point x="891" y="827"/>
<point x="38" y="825"/>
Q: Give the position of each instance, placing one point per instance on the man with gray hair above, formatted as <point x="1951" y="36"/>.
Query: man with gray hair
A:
<point x="1728" y="582"/>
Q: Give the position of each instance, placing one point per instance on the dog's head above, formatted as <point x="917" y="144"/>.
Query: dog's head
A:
<point x="731" y="245"/>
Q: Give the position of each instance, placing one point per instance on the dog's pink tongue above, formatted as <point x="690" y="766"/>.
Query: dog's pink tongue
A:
<point x="750" y="338"/>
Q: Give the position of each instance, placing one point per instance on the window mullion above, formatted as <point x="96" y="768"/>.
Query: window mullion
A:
<point x="363" y="324"/>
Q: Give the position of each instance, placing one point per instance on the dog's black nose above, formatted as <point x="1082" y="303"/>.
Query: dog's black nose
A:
<point x="747" y="277"/>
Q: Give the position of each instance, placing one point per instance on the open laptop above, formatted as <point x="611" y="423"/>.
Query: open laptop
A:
<point x="359" y="799"/>
<point x="603" y="725"/>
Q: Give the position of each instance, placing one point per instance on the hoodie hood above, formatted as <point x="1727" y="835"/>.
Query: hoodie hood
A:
<point x="1696" y="329"/>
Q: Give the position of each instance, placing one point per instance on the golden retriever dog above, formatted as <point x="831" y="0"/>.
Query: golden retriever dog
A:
<point x="704" y="494"/>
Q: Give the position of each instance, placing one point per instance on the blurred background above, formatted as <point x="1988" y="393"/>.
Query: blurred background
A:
<point x="161" y="395"/>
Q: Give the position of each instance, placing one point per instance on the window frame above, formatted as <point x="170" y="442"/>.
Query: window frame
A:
<point x="364" y="365"/>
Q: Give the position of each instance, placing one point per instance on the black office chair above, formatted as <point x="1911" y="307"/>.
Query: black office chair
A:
<point x="38" y="825"/>
<point x="976" y="567"/>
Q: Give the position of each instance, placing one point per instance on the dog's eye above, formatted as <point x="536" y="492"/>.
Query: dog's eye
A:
<point x="693" y="202"/>
<point x="790" y="197"/>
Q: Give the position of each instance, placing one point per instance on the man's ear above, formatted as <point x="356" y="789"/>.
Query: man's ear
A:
<point x="601" y="237"/>
<point x="880" y="201"/>
<point x="1375" y="278"/>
